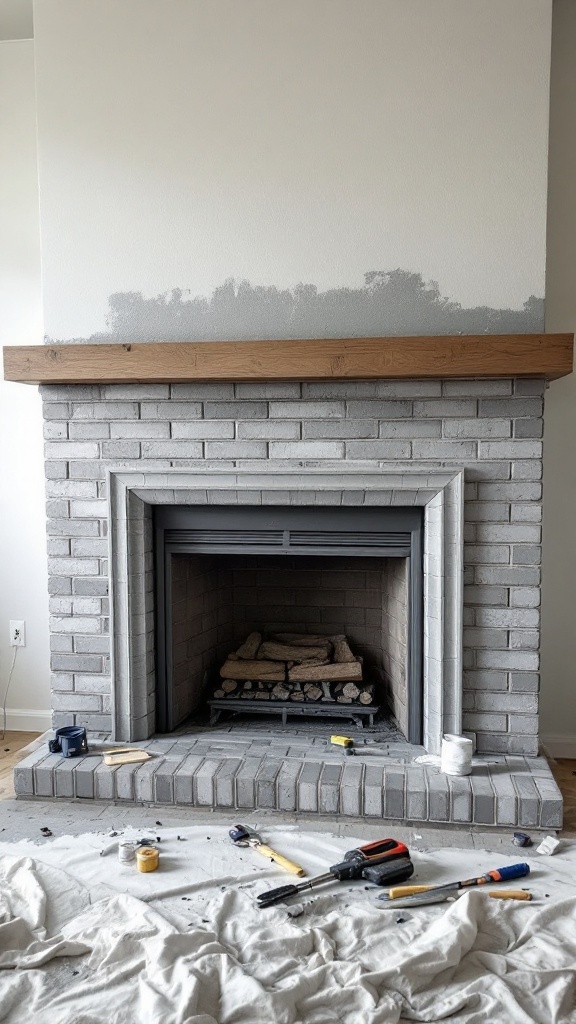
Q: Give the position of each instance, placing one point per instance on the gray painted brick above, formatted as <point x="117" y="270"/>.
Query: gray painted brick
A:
<point x="524" y="682"/>
<point x="507" y="617"/>
<point x="506" y="796"/>
<point x="245" y="782"/>
<point x="446" y="407"/>
<point x="494" y="597"/>
<point x="268" y="389"/>
<point x="92" y="546"/>
<point x="164" y="780"/>
<point x="75" y="663"/>
<point x="91" y="470"/>
<point x="55" y="410"/>
<point x="121" y="449"/>
<point x="528" y="428"/>
<point x="64" y="778"/>
<point x="460" y="798"/>
<point x="138" y="429"/>
<point x="528" y="801"/>
<point x="306" y="450"/>
<point x="104" y="411"/>
<point x="264" y="430"/>
<point x="77" y="702"/>
<point x="170" y="410"/>
<point x="308" y="787"/>
<point x="522" y="470"/>
<point x="43" y="775"/>
<point x="480" y="554"/>
<point x="523" y="702"/>
<point x="55" y="430"/>
<point x="513" y="449"/>
<point x="511" y="407"/>
<point x="378" y="449"/>
<point x="266" y="783"/>
<point x="381" y="410"/>
<point x="88" y="431"/>
<point x="124" y="782"/>
<point x="306" y="410"/>
<point x="509" y="533"/>
<point x="58" y="546"/>
<point x="92" y="683"/>
<point x="335" y="429"/>
<point x="225" y="788"/>
<point x="66" y="392"/>
<point x="55" y="470"/>
<point x="485" y="679"/>
<point x="352" y="789"/>
<point x="202" y="392"/>
<point x="288" y="785"/>
<point x="484" y="722"/>
<point x="171" y="450"/>
<point x="84" y="778"/>
<point x="329" y="792"/>
<point x="373" y="389"/>
<point x="236" y="410"/>
<point x="134" y="392"/>
<point x="526" y="554"/>
<point x="88" y="510"/>
<point x="524" y="639"/>
<point x="477" y="428"/>
<point x="509" y="576"/>
<point x="550" y="803"/>
<point x="460" y="451"/>
<point x="144" y="781"/>
<point x="236" y="449"/>
<point x="373" y="791"/>
<point x="526" y="513"/>
<point x="476" y="388"/>
<point x="61" y="644"/>
<point x="71" y="450"/>
<point x="529" y="387"/>
<point x="73" y="566"/>
<point x="394" y="801"/>
<point x="104" y="784"/>
<point x="438" y="797"/>
<point x="480" y="637"/>
<point x="527" y="491"/>
<point x="203" y="429"/>
<point x="483" y="799"/>
<point x="525" y="725"/>
<point x="416" y="795"/>
<point x="410" y="428"/>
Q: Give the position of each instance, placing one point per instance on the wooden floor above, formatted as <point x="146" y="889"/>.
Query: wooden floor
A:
<point x="13" y="748"/>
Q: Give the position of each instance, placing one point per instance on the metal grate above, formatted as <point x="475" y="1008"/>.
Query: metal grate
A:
<point x="286" y="541"/>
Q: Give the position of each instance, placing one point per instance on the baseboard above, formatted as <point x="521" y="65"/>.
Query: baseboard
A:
<point x="22" y="720"/>
<point x="559" y="745"/>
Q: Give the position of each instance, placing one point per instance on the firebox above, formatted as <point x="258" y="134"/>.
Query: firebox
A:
<point x="282" y="573"/>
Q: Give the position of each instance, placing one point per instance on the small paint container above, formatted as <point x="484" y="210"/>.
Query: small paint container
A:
<point x="126" y="852"/>
<point x="147" y="858"/>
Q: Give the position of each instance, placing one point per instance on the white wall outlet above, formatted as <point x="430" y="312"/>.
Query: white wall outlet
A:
<point x="17" y="633"/>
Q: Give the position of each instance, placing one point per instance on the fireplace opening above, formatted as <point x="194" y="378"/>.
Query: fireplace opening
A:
<point x="281" y="576"/>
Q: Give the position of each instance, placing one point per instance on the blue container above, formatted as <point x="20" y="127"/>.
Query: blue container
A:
<point x="70" y="740"/>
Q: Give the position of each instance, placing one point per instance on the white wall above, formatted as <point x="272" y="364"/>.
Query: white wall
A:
<point x="23" y="575"/>
<point x="558" y="700"/>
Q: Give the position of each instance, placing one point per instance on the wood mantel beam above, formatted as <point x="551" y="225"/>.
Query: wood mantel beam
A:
<point x="485" y="355"/>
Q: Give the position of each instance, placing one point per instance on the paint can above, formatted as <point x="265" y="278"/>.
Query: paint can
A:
<point x="126" y="852"/>
<point x="147" y="858"/>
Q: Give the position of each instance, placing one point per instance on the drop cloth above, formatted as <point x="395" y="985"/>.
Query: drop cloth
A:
<point x="84" y="939"/>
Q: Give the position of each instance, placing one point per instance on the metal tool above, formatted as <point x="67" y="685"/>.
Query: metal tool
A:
<point x="355" y="864"/>
<point x="421" y="899"/>
<point x="500" y="875"/>
<point x="243" y="835"/>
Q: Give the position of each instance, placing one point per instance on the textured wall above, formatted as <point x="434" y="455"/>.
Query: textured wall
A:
<point x="271" y="169"/>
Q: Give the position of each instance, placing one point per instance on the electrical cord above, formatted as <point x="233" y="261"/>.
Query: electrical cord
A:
<point x="6" y="693"/>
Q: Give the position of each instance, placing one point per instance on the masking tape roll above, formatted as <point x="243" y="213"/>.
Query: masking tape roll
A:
<point x="147" y="858"/>
<point x="126" y="852"/>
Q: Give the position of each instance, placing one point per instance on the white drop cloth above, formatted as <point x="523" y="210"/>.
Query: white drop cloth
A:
<point x="86" y="940"/>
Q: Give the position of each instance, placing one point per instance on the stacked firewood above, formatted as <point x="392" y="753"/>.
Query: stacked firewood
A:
<point x="295" y="667"/>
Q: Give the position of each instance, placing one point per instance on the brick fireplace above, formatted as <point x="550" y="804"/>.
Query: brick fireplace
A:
<point x="461" y="448"/>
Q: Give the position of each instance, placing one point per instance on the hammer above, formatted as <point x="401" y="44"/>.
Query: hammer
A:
<point x="243" y="835"/>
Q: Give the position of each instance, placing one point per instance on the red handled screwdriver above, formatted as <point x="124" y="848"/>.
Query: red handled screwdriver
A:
<point x="353" y="866"/>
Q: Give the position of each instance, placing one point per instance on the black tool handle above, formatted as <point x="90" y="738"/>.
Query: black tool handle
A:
<point x="389" y="871"/>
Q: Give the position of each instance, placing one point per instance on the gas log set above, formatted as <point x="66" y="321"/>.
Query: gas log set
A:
<point x="295" y="667"/>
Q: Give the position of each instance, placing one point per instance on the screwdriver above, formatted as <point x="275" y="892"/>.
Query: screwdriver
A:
<point x="355" y="863"/>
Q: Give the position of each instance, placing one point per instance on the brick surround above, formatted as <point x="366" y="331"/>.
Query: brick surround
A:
<point x="490" y="429"/>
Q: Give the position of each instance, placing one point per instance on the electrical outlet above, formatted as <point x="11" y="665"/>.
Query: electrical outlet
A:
<point x="17" y="633"/>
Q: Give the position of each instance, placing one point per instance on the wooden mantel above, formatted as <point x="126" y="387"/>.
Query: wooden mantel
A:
<point x="485" y="355"/>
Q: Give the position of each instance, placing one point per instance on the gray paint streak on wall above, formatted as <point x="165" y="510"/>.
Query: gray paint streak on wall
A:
<point x="390" y="303"/>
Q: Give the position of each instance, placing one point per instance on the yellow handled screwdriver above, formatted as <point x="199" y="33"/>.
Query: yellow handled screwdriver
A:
<point x="428" y="896"/>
